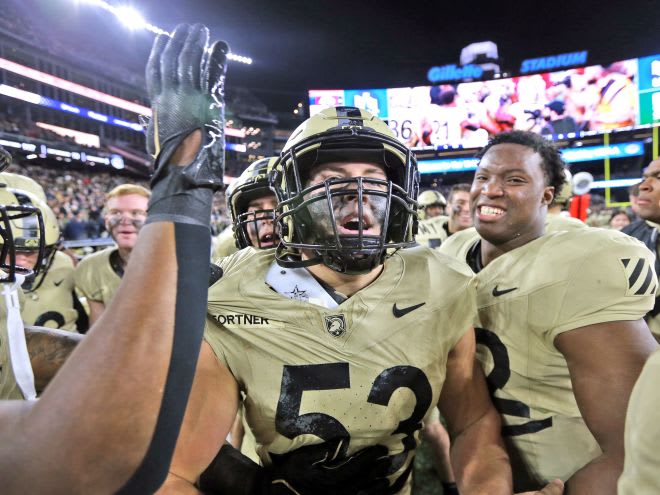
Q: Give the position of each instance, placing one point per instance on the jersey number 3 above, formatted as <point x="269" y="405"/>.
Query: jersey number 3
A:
<point x="498" y="378"/>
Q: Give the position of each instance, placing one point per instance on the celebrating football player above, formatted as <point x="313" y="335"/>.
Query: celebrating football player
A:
<point x="559" y="324"/>
<point x="99" y="274"/>
<point x="137" y="365"/>
<point x="251" y="203"/>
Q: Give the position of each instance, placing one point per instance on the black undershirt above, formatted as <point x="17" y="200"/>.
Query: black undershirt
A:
<point x="473" y="257"/>
<point x="116" y="263"/>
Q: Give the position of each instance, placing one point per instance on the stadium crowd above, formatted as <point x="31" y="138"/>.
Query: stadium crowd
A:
<point x="77" y="198"/>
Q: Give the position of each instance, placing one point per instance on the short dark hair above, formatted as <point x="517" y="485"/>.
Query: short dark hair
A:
<point x="458" y="188"/>
<point x="617" y="212"/>
<point x="551" y="161"/>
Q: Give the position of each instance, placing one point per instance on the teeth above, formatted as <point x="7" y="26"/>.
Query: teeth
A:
<point x="491" y="210"/>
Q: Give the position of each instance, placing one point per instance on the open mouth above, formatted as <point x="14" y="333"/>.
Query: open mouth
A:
<point x="351" y="226"/>
<point x="485" y="212"/>
<point x="268" y="240"/>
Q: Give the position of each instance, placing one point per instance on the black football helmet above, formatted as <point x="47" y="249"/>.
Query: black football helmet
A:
<point x="344" y="134"/>
<point x="251" y="184"/>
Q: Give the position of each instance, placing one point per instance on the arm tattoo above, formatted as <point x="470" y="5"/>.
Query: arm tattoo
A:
<point x="48" y="349"/>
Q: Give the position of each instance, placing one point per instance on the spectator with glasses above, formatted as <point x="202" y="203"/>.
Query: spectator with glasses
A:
<point x="98" y="275"/>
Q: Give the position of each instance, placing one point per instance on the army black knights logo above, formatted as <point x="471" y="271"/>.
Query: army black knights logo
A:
<point x="335" y="325"/>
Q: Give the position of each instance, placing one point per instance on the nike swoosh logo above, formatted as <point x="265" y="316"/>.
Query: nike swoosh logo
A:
<point x="497" y="292"/>
<point x="57" y="284"/>
<point x="398" y="313"/>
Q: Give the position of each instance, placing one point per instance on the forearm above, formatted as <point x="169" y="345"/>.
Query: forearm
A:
<point x="124" y="360"/>
<point x="479" y="458"/>
<point x="599" y="476"/>
<point x="111" y="387"/>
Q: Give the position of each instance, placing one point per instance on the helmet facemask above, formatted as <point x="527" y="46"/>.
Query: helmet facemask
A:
<point x="252" y="221"/>
<point x="21" y="229"/>
<point x="349" y="224"/>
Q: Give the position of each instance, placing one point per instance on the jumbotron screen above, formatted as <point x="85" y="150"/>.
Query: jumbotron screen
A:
<point x="560" y="104"/>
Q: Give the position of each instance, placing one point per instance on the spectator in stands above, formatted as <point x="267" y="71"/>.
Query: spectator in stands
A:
<point x="98" y="275"/>
<point x="619" y="219"/>
<point x="75" y="228"/>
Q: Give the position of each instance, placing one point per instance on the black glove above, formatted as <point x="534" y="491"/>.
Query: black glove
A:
<point x="185" y="82"/>
<point x="5" y="158"/>
<point x="308" y="470"/>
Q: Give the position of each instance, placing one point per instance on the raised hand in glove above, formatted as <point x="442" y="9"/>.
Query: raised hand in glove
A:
<point x="304" y="471"/>
<point x="185" y="82"/>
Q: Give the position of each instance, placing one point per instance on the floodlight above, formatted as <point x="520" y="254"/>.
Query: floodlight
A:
<point x="130" y="17"/>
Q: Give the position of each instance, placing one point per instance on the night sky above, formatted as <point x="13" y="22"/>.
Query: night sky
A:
<point x="297" y="45"/>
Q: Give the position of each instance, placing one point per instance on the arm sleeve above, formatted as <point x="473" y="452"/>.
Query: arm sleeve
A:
<point x="192" y="244"/>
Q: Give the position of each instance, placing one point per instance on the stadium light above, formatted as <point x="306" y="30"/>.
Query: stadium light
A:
<point x="132" y="19"/>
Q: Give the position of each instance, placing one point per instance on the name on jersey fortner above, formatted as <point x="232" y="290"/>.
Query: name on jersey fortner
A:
<point x="241" y="319"/>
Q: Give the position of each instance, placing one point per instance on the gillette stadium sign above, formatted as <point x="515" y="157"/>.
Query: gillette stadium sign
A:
<point x="553" y="62"/>
<point x="454" y="73"/>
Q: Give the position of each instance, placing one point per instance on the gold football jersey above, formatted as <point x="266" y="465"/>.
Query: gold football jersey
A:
<point x="95" y="278"/>
<point x="525" y="298"/>
<point x="558" y="223"/>
<point x="642" y="465"/>
<point x="223" y="244"/>
<point x="51" y="305"/>
<point x="431" y="232"/>
<point x="369" y="371"/>
<point x="9" y="388"/>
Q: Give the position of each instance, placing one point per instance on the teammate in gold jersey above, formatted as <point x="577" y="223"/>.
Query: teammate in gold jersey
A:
<point x="640" y="471"/>
<point x="334" y="340"/>
<point x="98" y="275"/>
<point x="559" y="320"/>
<point x="49" y="296"/>
<point x="434" y="231"/>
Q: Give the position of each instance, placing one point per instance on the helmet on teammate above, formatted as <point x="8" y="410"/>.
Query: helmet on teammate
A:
<point x="344" y="134"/>
<point x="253" y="183"/>
<point x="430" y="198"/>
<point x="21" y="228"/>
<point x="32" y="235"/>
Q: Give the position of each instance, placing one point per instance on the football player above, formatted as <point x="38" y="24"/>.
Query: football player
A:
<point x="559" y="320"/>
<point x="136" y="365"/>
<point x="98" y="275"/>
<point x="646" y="228"/>
<point x="430" y="204"/>
<point x="433" y="231"/>
<point x="251" y="203"/>
<point x="642" y="464"/>
<point x="50" y="299"/>
<point x="336" y="340"/>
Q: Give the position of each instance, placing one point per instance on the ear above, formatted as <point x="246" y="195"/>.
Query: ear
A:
<point x="548" y="195"/>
